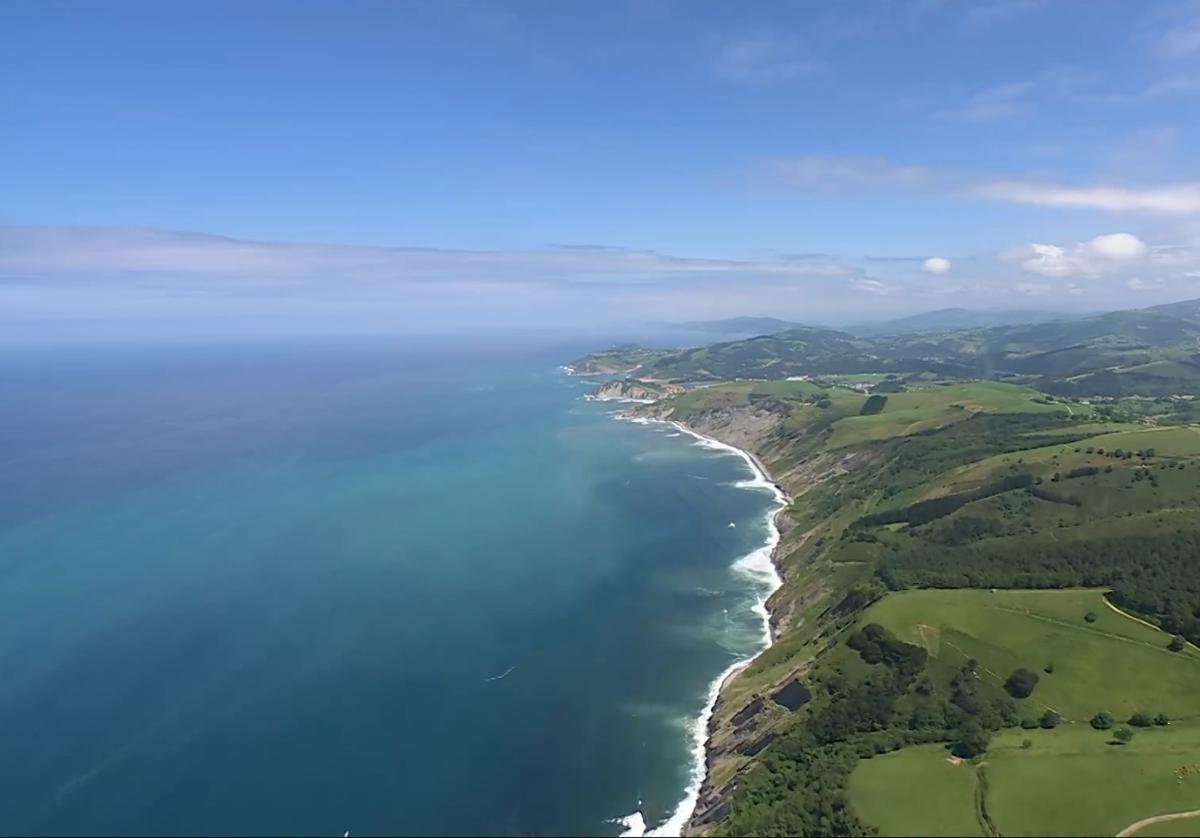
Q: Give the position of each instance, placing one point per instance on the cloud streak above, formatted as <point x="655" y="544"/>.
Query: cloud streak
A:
<point x="149" y="254"/>
<point x="1169" y="199"/>
<point x="847" y="174"/>
<point x="763" y="59"/>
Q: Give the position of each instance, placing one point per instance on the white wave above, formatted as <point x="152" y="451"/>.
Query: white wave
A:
<point x="635" y="825"/>
<point x="759" y="567"/>
<point x="675" y="433"/>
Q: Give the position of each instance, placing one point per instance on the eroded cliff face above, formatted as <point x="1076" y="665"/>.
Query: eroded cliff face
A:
<point x="632" y="389"/>
<point x="756" y="704"/>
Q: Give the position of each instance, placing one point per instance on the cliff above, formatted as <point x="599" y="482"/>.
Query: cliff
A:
<point x="759" y="702"/>
<point x="631" y="389"/>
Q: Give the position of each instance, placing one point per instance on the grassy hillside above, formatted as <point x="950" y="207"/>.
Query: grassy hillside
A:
<point x="892" y="793"/>
<point x="913" y="497"/>
<point x="1148" y="352"/>
<point x="1090" y="660"/>
<point x="1072" y="780"/>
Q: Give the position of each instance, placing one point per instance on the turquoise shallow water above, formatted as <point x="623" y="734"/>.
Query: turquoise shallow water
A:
<point x="310" y="589"/>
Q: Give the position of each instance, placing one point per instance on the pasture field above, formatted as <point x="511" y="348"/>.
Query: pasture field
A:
<point x="1174" y="441"/>
<point x="1068" y="781"/>
<point x="936" y="406"/>
<point x="1074" y="781"/>
<point x="1114" y="664"/>
<point x="916" y="791"/>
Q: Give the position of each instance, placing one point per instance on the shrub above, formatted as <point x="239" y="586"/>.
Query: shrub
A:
<point x="1177" y="643"/>
<point x="1161" y="720"/>
<point x="972" y="741"/>
<point x="1123" y="735"/>
<point x="1102" y="721"/>
<point x="1090" y="616"/>
<point x="874" y="404"/>
<point x="1021" y="683"/>
<point x="1141" y="720"/>
<point x="1048" y="668"/>
<point x="1029" y="724"/>
<point x="1050" y="720"/>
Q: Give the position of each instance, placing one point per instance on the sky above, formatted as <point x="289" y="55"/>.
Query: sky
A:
<point x="422" y="166"/>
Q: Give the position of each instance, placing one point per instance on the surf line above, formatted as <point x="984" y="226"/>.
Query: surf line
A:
<point x="502" y="675"/>
<point x="758" y="564"/>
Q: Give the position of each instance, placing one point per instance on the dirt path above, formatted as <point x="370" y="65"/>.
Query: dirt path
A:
<point x="999" y="678"/>
<point x="1122" y="638"/>
<point x="1144" y="822"/>
<point x="1140" y="620"/>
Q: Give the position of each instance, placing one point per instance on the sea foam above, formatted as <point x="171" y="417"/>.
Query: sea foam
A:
<point x="759" y="566"/>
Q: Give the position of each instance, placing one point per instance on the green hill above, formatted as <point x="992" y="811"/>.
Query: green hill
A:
<point x="952" y="535"/>
<point x="1147" y="352"/>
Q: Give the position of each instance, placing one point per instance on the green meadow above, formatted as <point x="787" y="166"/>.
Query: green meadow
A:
<point x="1072" y="780"/>
<point x="1114" y="664"/>
<point x="893" y="793"/>
<point x="935" y="406"/>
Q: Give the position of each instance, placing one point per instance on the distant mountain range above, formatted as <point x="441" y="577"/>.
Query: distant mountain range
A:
<point x="741" y="326"/>
<point x="1149" y="352"/>
<point x="941" y="320"/>
<point x="949" y="319"/>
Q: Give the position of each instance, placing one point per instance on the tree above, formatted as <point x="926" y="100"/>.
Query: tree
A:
<point x="1021" y="683"/>
<point x="1140" y="719"/>
<point x="1050" y="720"/>
<point x="1090" y="616"/>
<point x="972" y="740"/>
<point x="1048" y="668"/>
<point x="1161" y="720"/>
<point x="1123" y="735"/>
<point x="1177" y="643"/>
<point x="1102" y="721"/>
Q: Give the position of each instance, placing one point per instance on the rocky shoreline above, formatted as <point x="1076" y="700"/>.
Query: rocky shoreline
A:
<point x="750" y="707"/>
<point x="711" y="805"/>
<point x="743" y="430"/>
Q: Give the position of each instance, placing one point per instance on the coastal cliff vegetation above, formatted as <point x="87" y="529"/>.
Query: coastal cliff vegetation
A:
<point x="965" y="561"/>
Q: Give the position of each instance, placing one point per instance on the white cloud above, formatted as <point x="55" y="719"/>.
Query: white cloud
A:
<point x="1169" y="199"/>
<point x="936" y="265"/>
<point x="985" y="14"/>
<point x="995" y="103"/>
<point x="833" y="171"/>
<point x="1138" y="284"/>
<point x="1095" y="257"/>
<point x="102" y="251"/>
<point x="1178" y="85"/>
<point x="1117" y="246"/>
<point x="871" y="286"/>
<point x="1180" y="40"/>
<point x="764" y="59"/>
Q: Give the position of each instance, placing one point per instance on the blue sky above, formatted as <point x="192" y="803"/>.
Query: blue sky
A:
<point x="468" y="161"/>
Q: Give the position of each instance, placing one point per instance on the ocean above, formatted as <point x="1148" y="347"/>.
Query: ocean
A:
<point x="378" y="587"/>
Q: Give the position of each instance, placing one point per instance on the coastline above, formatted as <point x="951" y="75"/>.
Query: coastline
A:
<point x="758" y="564"/>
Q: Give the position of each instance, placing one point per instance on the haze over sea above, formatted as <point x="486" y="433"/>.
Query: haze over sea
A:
<point x="380" y="587"/>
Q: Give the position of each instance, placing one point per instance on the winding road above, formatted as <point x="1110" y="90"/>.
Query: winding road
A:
<point x="1144" y="822"/>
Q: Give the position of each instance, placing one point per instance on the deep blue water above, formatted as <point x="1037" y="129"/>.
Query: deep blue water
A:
<point x="382" y="588"/>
